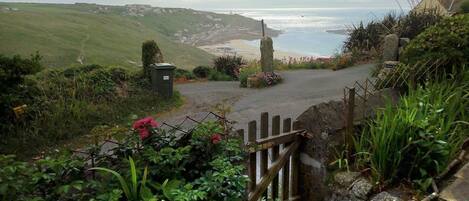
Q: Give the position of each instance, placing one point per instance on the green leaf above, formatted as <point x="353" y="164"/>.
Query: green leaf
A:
<point x="122" y="182"/>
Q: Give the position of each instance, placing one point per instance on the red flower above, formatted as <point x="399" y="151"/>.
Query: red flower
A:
<point x="143" y="125"/>
<point x="216" y="138"/>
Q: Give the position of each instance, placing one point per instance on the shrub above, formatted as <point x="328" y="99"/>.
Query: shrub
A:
<point x="342" y="61"/>
<point x="185" y="74"/>
<point x="447" y="41"/>
<point x="61" y="177"/>
<point x="369" y="38"/>
<point x="151" y="54"/>
<point x="202" y="71"/>
<point x="229" y="65"/>
<point x="246" y="72"/>
<point x="75" y="100"/>
<point x="465" y="7"/>
<point x="365" y="38"/>
<point x="417" y="139"/>
<point x="219" y="76"/>
<point x="411" y="25"/>
<point x="302" y="63"/>
<point x="205" y="164"/>
<point x="15" y="88"/>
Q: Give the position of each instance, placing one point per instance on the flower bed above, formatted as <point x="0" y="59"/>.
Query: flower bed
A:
<point x="261" y="80"/>
<point x="149" y="164"/>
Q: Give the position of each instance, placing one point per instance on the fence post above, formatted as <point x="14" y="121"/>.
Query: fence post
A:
<point x="275" y="155"/>
<point x="252" y="135"/>
<point x="349" y="128"/>
<point x="286" y="168"/>
<point x="264" y="153"/>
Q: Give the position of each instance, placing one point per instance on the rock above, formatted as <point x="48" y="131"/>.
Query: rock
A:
<point x="385" y="196"/>
<point x="383" y="73"/>
<point x="346" y="178"/>
<point x="390" y="64"/>
<point x="391" y="48"/>
<point x="253" y="82"/>
<point x="361" y="188"/>
<point x="403" y="42"/>
<point x="267" y="55"/>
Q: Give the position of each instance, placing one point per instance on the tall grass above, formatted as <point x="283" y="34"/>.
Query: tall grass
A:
<point x="417" y="138"/>
<point x="72" y="101"/>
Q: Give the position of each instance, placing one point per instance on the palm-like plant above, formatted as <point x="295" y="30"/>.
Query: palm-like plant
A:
<point x="132" y="190"/>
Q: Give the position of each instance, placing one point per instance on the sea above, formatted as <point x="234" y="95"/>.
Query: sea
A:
<point x="312" y="31"/>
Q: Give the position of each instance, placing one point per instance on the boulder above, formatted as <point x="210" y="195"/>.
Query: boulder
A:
<point x="361" y="188"/>
<point x="390" y="64"/>
<point x="403" y="42"/>
<point x="253" y="82"/>
<point x="385" y="196"/>
<point x="345" y="179"/>
<point x="391" y="48"/>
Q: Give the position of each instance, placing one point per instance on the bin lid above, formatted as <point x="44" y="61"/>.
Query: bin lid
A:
<point x="163" y="66"/>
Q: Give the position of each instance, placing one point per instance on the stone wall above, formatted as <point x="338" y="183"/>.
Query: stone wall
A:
<point x="325" y="124"/>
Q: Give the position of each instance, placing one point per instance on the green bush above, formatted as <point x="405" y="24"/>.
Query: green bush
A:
<point x="73" y="101"/>
<point x="205" y="165"/>
<point x="417" y="139"/>
<point x="151" y="54"/>
<point x="246" y="72"/>
<point x="446" y="42"/>
<point x="182" y="73"/>
<point x="365" y="38"/>
<point x="369" y="38"/>
<point x="302" y="63"/>
<point x="411" y="25"/>
<point x="465" y="7"/>
<point x="202" y="71"/>
<point x="219" y="76"/>
<point x="15" y="88"/>
<point x="229" y="65"/>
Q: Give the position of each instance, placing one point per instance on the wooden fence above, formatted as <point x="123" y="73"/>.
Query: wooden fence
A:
<point x="285" y="159"/>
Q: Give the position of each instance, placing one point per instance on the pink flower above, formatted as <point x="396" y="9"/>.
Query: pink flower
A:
<point x="216" y="138"/>
<point x="143" y="125"/>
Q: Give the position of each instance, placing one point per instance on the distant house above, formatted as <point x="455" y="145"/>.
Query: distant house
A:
<point x="442" y="7"/>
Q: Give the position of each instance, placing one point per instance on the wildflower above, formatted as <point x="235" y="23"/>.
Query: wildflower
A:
<point x="143" y="125"/>
<point x="216" y="138"/>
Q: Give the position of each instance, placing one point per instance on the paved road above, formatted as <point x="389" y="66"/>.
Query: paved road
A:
<point x="300" y="90"/>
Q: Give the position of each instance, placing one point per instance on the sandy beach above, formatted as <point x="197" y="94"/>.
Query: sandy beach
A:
<point x="247" y="51"/>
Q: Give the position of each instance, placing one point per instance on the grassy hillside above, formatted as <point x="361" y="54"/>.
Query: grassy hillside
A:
<point x="109" y="35"/>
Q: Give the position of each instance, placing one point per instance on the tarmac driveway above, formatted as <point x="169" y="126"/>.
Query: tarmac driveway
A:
<point x="299" y="90"/>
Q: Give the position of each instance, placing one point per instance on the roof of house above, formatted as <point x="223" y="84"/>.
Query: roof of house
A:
<point x="443" y="7"/>
<point x="452" y="5"/>
<point x="433" y="5"/>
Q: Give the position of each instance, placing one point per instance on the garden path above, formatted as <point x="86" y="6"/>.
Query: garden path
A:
<point x="299" y="90"/>
<point x="459" y="189"/>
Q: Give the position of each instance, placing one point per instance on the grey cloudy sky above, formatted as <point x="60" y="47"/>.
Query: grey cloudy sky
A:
<point x="240" y="3"/>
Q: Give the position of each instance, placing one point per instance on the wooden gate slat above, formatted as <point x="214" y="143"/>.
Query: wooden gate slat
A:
<point x="252" y="135"/>
<point x="275" y="154"/>
<point x="286" y="168"/>
<point x="272" y="171"/>
<point x="295" y="167"/>
<point x="265" y="153"/>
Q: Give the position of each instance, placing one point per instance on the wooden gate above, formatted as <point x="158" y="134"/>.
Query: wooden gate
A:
<point x="282" y="147"/>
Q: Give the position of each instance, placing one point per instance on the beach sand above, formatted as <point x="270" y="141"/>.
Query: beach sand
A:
<point x="247" y="51"/>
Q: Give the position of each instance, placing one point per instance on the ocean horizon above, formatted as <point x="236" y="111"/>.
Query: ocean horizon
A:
<point x="310" y="31"/>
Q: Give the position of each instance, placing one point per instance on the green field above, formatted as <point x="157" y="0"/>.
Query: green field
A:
<point x="65" y="34"/>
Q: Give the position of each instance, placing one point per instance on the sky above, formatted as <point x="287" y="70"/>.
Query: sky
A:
<point x="213" y="4"/>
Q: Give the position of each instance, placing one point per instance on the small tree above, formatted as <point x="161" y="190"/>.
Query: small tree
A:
<point x="151" y="54"/>
<point x="229" y="65"/>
